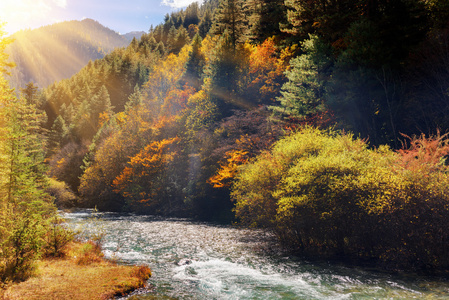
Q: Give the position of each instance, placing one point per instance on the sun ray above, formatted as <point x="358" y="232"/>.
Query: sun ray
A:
<point x="39" y="64"/>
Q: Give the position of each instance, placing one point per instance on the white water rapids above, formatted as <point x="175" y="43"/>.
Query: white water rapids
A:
<point x="192" y="260"/>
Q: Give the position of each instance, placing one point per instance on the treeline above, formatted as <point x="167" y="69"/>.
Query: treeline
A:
<point x="211" y="105"/>
<point x="54" y="52"/>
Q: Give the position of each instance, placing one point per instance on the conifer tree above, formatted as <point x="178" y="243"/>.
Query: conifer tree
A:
<point x="191" y="15"/>
<point x="24" y="206"/>
<point x="30" y="93"/>
<point x="182" y="38"/>
<point x="304" y="93"/>
<point x="264" y="18"/>
<point x="195" y="64"/>
<point x="58" y="133"/>
<point x="223" y="71"/>
<point x="134" y="99"/>
<point x="100" y="107"/>
<point x="229" y="17"/>
<point x="205" y="24"/>
<point x="171" y="39"/>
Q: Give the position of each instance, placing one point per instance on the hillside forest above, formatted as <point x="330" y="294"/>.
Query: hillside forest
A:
<point x="324" y="122"/>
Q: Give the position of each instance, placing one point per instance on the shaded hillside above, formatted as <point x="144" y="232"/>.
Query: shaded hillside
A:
<point x="58" y="51"/>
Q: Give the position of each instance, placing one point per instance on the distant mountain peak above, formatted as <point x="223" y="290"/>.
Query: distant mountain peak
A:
<point x="133" y="34"/>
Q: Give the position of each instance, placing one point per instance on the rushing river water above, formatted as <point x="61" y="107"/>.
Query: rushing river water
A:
<point x="192" y="260"/>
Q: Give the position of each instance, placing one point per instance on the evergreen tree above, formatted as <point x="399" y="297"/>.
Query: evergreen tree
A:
<point x="264" y="18"/>
<point x="182" y="38"/>
<point x="58" y="133"/>
<point x="223" y="71"/>
<point x="171" y="39"/>
<point x="24" y="206"/>
<point x="160" y="48"/>
<point x="229" y="17"/>
<point x="31" y="94"/>
<point x="195" y="64"/>
<point x="135" y="99"/>
<point x="100" y="107"/>
<point x="191" y="15"/>
<point x="304" y="93"/>
<point x="158" y="34"/>
<point x="205" y="24"/>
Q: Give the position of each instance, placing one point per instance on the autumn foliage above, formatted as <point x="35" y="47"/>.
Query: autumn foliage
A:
<point x="245" y="106"/>
<point x="328" y="193"/>
<point x="425" y="154"/>
<point x="144" y="181"/>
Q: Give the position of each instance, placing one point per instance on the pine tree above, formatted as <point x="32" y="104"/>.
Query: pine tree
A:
<point x="24" y="206"/>
<point x="223" y="71"/>
<point x="205" y="24"/>
<point x="304" y="93"/>
<point x="58" y="133"/>
<point x="134" y="99"/>
<point x="264" y="17"/>
<point x="31" y="94"/>
<point x="229" y="17"/>
<point x="171" y="39"/>
<point x="195" y="64"/>
<point x="191" y="15"/>
<point x="182" y="38"/>
<point x="100" y="107"/>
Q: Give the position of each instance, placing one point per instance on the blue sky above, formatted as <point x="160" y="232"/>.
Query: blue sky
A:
<point x="120" y="15"/>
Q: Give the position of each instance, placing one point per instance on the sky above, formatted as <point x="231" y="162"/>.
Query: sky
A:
<point x="122" y="16"/>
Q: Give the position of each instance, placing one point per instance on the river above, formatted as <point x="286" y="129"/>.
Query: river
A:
<point x="192" y="260"/>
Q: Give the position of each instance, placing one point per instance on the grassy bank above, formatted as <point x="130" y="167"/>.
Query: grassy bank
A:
<point x="81" y="274"/>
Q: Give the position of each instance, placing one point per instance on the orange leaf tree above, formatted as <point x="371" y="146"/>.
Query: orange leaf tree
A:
<point x="149" y="180"/>
<point x="266" y="69"/>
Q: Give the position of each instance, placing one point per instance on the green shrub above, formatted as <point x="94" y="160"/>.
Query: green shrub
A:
<point x="57" y="237"/>
<point x="329" y="194"/>
<point x="20" y="245"/>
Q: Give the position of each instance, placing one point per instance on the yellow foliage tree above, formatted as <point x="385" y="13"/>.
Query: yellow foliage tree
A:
<point x="165" y="77"/>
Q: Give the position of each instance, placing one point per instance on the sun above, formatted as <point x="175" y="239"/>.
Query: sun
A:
<point x="23" y="14"/>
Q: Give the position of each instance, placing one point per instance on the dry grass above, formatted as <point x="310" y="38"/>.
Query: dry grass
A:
<point x="72" y="278"/>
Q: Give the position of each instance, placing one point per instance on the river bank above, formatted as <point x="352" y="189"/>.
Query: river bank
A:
<point x="82" y="274"/>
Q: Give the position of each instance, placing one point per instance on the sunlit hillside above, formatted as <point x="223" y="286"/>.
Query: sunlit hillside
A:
<point x="58" y="51"/>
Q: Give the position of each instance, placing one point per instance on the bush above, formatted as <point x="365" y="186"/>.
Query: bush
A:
<point x="329" y="194"/>
<point x="63" y="195"/>
<point x="89" y="253"/>
<point x="57" y="237"/>
<point x="20" y="245"/>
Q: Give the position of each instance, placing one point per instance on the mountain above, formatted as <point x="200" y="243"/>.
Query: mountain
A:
<point x="133" y="34"/>
<point x="55" y="52"/>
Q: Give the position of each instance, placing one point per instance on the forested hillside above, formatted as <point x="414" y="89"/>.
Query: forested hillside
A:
<point x="242" y="109"/>
<point x="58" y="51"/>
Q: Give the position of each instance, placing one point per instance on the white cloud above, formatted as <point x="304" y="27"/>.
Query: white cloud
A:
<point x="178" y="3"/>
<point x="61" y="3"/>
